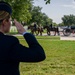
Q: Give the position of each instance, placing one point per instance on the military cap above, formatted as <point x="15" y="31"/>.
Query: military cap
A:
<point x="4" y="6"/>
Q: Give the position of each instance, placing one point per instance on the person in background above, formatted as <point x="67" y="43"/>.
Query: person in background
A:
<point x="11" y="51"/>
<point x="35" y="26"/>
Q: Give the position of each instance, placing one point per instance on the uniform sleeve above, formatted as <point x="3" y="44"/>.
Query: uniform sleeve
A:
<point x="33" y="53"/>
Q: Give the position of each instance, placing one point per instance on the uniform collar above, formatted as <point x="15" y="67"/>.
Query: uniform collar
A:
<point x="1" y="33"/>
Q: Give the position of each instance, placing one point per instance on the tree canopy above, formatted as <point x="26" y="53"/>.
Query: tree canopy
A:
<point x="68" y="20"/>
<point x="39" y="17"/>
<point x="47" y="1"/>
<point x="23" y="10"/>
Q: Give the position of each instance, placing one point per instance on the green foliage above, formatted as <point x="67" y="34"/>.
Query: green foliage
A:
<point x="46" y="20"/>
<point x="36" y="14"/>
<point x="24" y="11"/>
<point x="47" y="1"/>
<point x="68" y="20"/>
<point x="61" y="24"/>
<point x="39" y="17"/>
<point x="21" y="9"/>
<point x="55" y="24"/>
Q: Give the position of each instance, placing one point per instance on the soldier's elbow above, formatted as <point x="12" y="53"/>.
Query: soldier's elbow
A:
<point x="41" y="57"/>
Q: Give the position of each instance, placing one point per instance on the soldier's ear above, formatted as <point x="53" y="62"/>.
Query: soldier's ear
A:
<point x="4" y="22"/>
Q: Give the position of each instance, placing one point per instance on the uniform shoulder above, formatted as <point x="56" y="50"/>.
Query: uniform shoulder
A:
<point x="12" y="38"/>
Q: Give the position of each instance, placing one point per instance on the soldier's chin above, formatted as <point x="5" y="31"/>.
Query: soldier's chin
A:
<point x="7" y="31"/>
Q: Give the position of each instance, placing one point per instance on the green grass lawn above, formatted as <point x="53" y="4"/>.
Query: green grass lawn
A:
<point x="60" y="58"/>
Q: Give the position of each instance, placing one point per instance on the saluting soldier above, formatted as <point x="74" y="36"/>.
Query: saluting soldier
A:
<point x="11" y="51"/>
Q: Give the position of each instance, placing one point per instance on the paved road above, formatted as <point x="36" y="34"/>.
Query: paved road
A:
<point x="52" y="34"/>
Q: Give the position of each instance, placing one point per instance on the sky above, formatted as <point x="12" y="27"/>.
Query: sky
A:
<point x="57" y="8"/>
